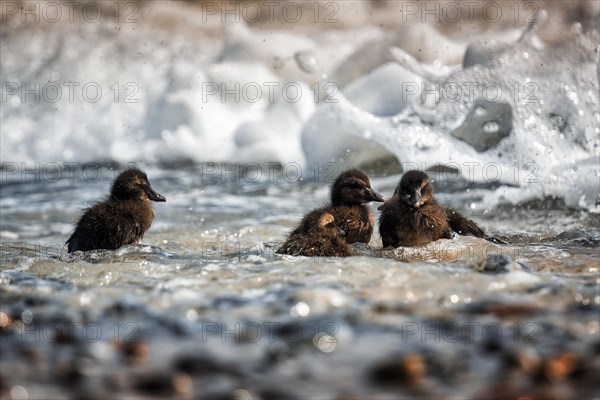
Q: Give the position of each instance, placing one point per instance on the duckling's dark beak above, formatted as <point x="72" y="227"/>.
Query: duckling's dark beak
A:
<point x="374" y="196"/>
<point x="381" y="207"/>
<point x="416" y="200"/>
<point x="152" y="195"/>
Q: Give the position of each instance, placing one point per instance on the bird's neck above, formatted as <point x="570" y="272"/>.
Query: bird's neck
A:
<point x="337" y="201"/>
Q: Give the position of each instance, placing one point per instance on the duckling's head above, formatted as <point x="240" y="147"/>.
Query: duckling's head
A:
<point x="414" y="189"/>
<point x="133" y="184"/>
<point x="327" y="224"/>
<point x="352" y="187"/>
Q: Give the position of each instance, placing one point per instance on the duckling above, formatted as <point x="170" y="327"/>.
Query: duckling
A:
<point x="349" y="194"/>
<point x="122" y="218"/>
<point x="324" y="239"/>
<point x="412" y="217"/>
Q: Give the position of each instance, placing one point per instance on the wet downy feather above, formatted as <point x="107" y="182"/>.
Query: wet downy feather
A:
<point x="412" y="217"/>
<point x="324" y="239"/>
<point x="122" y="218"/>
<point x="349" y="194"/>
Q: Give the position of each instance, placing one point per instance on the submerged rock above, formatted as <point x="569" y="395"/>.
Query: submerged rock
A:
<point x="485" y="125"/>
<point x="495" y="264"/>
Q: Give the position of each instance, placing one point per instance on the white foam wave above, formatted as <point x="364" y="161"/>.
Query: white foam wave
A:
<point x="219" y="92"/>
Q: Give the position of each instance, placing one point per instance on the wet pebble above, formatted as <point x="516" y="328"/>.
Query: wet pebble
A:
<point x="400" y="370"/>
<point x="134" y="352"/>
<point x="559" y="366"/>
<point x="204" y="364"/>
<point x="154" y="383"/>
<point x="495" y="264"/>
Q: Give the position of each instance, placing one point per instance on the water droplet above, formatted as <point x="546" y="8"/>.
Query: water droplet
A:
<point x="480" y="111"/>
<point x="491" y="127"/>
<point x="306" y="62"/>
<point x="19" y="393"/>
<point x="324" y="342"/>
<point x="301" y="309"/>
<point x="27" y="316"/>
<point x="191" y="315"/>
<point x="84" y="300"/>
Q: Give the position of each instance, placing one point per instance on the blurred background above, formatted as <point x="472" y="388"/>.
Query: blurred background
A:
<point x="357" y="83"/>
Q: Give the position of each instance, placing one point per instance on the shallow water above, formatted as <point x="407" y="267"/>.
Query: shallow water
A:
<point x="203" y="307"/>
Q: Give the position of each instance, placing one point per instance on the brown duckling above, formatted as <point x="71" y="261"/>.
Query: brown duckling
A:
<point x="349" y="194"/>
<point x="123" y="218"/>
<point x="324" y="239"/>
<point x="412" y="217"/>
